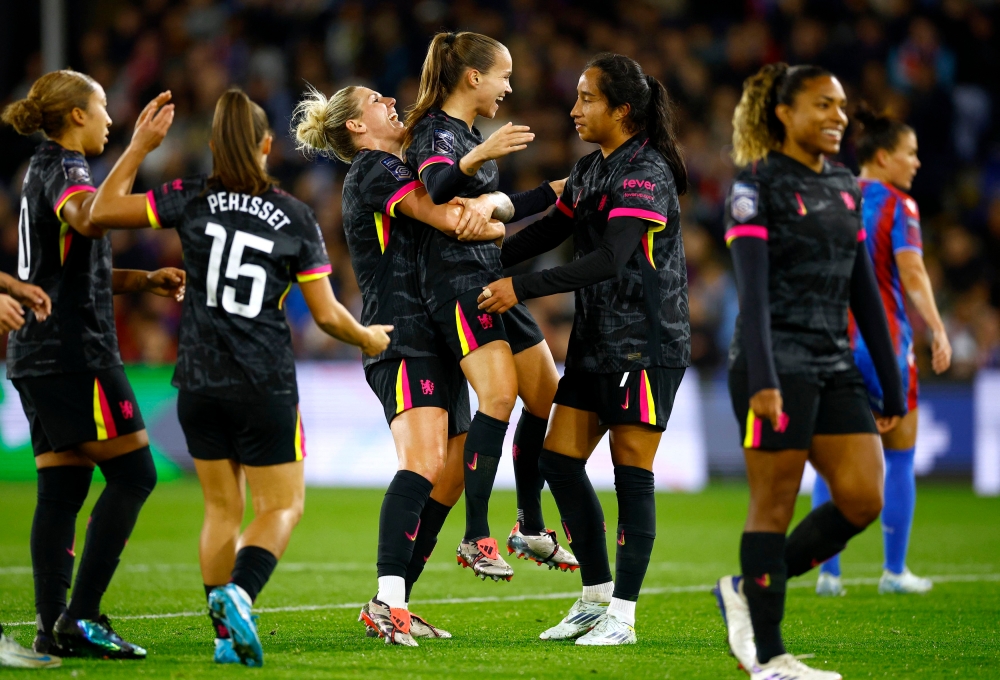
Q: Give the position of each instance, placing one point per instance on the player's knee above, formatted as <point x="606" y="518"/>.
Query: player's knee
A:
<point x="135" y="470"/>
<point x="499" y="403"/>
<point x="863" y="508"/>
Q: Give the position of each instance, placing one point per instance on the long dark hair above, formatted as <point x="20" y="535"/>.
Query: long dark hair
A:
<point x="449" y="56"/>
<point x="878" y="131"/>
<point x="756" y="127"/>
<point x="622" y="82"/>
<point x="238" y="128"/>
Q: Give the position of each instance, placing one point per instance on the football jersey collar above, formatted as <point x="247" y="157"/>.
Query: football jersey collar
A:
<point x="631" y="145"/>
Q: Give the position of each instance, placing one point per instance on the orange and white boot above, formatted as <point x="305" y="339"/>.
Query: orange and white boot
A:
<point x="484" y="559"/>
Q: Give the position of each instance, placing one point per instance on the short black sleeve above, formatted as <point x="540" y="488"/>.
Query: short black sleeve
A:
<point x="746" y="209"/>
<point x="312" y="261"/>
<point x="435" y="143"/>
<point x="165" y="204"/>
<point x="72" y="176"/>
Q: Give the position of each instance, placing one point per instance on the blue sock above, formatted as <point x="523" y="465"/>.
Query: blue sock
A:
<point x="821" y="495"/>
<point x="900" y="499"/>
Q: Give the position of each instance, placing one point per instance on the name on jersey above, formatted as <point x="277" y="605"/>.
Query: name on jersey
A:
<point x="223" y="201"/>
<point x="444" y="141"/>
<point x="744" y="203"/>
<point x="398" y="168"/>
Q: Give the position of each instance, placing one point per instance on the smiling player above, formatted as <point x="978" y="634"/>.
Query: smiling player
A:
<point x="798" y="245"/>
<point x="467" y="75"/>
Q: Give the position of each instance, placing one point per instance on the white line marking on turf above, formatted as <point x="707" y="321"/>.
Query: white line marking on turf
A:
<point x="665" y="590"/>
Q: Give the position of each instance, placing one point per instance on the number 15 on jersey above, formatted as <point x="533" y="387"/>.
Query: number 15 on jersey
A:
<point x="235" y="268"/>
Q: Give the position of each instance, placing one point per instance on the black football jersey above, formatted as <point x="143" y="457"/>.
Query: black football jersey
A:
<point x="639" y="319"/>
<point x="449" y="267"/>
<point x="384" y="244"/>
<point x="74" y="270"/>
<point x="812" y="224"/>
<point x="242" y="254"/>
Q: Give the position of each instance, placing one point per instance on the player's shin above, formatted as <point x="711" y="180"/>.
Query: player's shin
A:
<point x="764" y="582"/>
<point x="823" y="533"/>
<point x="528" y="438"/>
<point x="483" y="448"/>
<point x="130" y="479"/>
<point x="635" y="489"/>
<point x="399" y="528"/>
<point x="581" y="512"/>
<point x="432" y="518"/>
<point x="900" y="501"/>
<point x="820" y="496"/>
<point x="62" y="491"/>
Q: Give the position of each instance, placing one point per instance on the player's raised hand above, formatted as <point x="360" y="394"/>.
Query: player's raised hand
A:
<point x="32" y="297"/>
<point x="377" y="340"/>
<point x="153" y="123"/>
<point x="508" y="139"/>
<point x="11" y="314"/>
<point x="167" y="282"/>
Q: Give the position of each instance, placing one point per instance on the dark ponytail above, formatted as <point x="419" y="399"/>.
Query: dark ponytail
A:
<point x="878" y="131"/>
<point x="238" y="128"/>
<point x="622" y="82"/>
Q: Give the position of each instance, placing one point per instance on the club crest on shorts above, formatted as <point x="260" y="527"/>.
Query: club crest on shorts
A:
<point x="444" y="141"/>
<point x="397" y="168"/>
<point x="75" y="169"/>
<point x="744" y="203"/>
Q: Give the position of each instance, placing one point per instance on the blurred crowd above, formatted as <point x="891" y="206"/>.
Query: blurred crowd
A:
<point x="932" y="63"/>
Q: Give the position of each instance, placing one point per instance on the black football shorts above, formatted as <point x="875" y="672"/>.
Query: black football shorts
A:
<point x="66" y="409"/>
<point x="835" y="403"/>
<point x="255" y="433"/>
<point x="642" y="396"/>
<point x="402" y="384"/>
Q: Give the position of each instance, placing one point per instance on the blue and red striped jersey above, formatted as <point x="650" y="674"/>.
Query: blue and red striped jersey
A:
<point x="892" y="223"/>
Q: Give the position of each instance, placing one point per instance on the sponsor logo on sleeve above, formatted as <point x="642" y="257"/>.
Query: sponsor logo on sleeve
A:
<point x="75" y="169"/>
<point x="397" y="168"/>
<point x="638" y="188"/>
<point x="444" y="141"/>
<point x="744" y="203"/>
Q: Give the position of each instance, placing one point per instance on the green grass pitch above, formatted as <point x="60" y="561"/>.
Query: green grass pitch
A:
<point x="309" y="609"/>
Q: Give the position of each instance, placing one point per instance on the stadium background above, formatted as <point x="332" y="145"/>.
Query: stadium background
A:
<point x="933" y="63"/>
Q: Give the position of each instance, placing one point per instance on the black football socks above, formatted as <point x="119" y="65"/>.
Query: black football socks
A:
<point x="62" y="491"/>
<point x="130" y="479"/>
<point x="399" y="523"/>
<point x="431" y="521"/>
<point x="254" y="566"/>
<point x="762" y="559"/>
<point x="483" y="447"/>
<point x="636" y="491"/>
<point x="581" y="512"/>
<point x="823" y="533"/>
<point x="528" y="439"/>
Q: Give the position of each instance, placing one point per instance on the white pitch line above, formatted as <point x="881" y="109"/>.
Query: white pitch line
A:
<point x="664" y="590"/>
